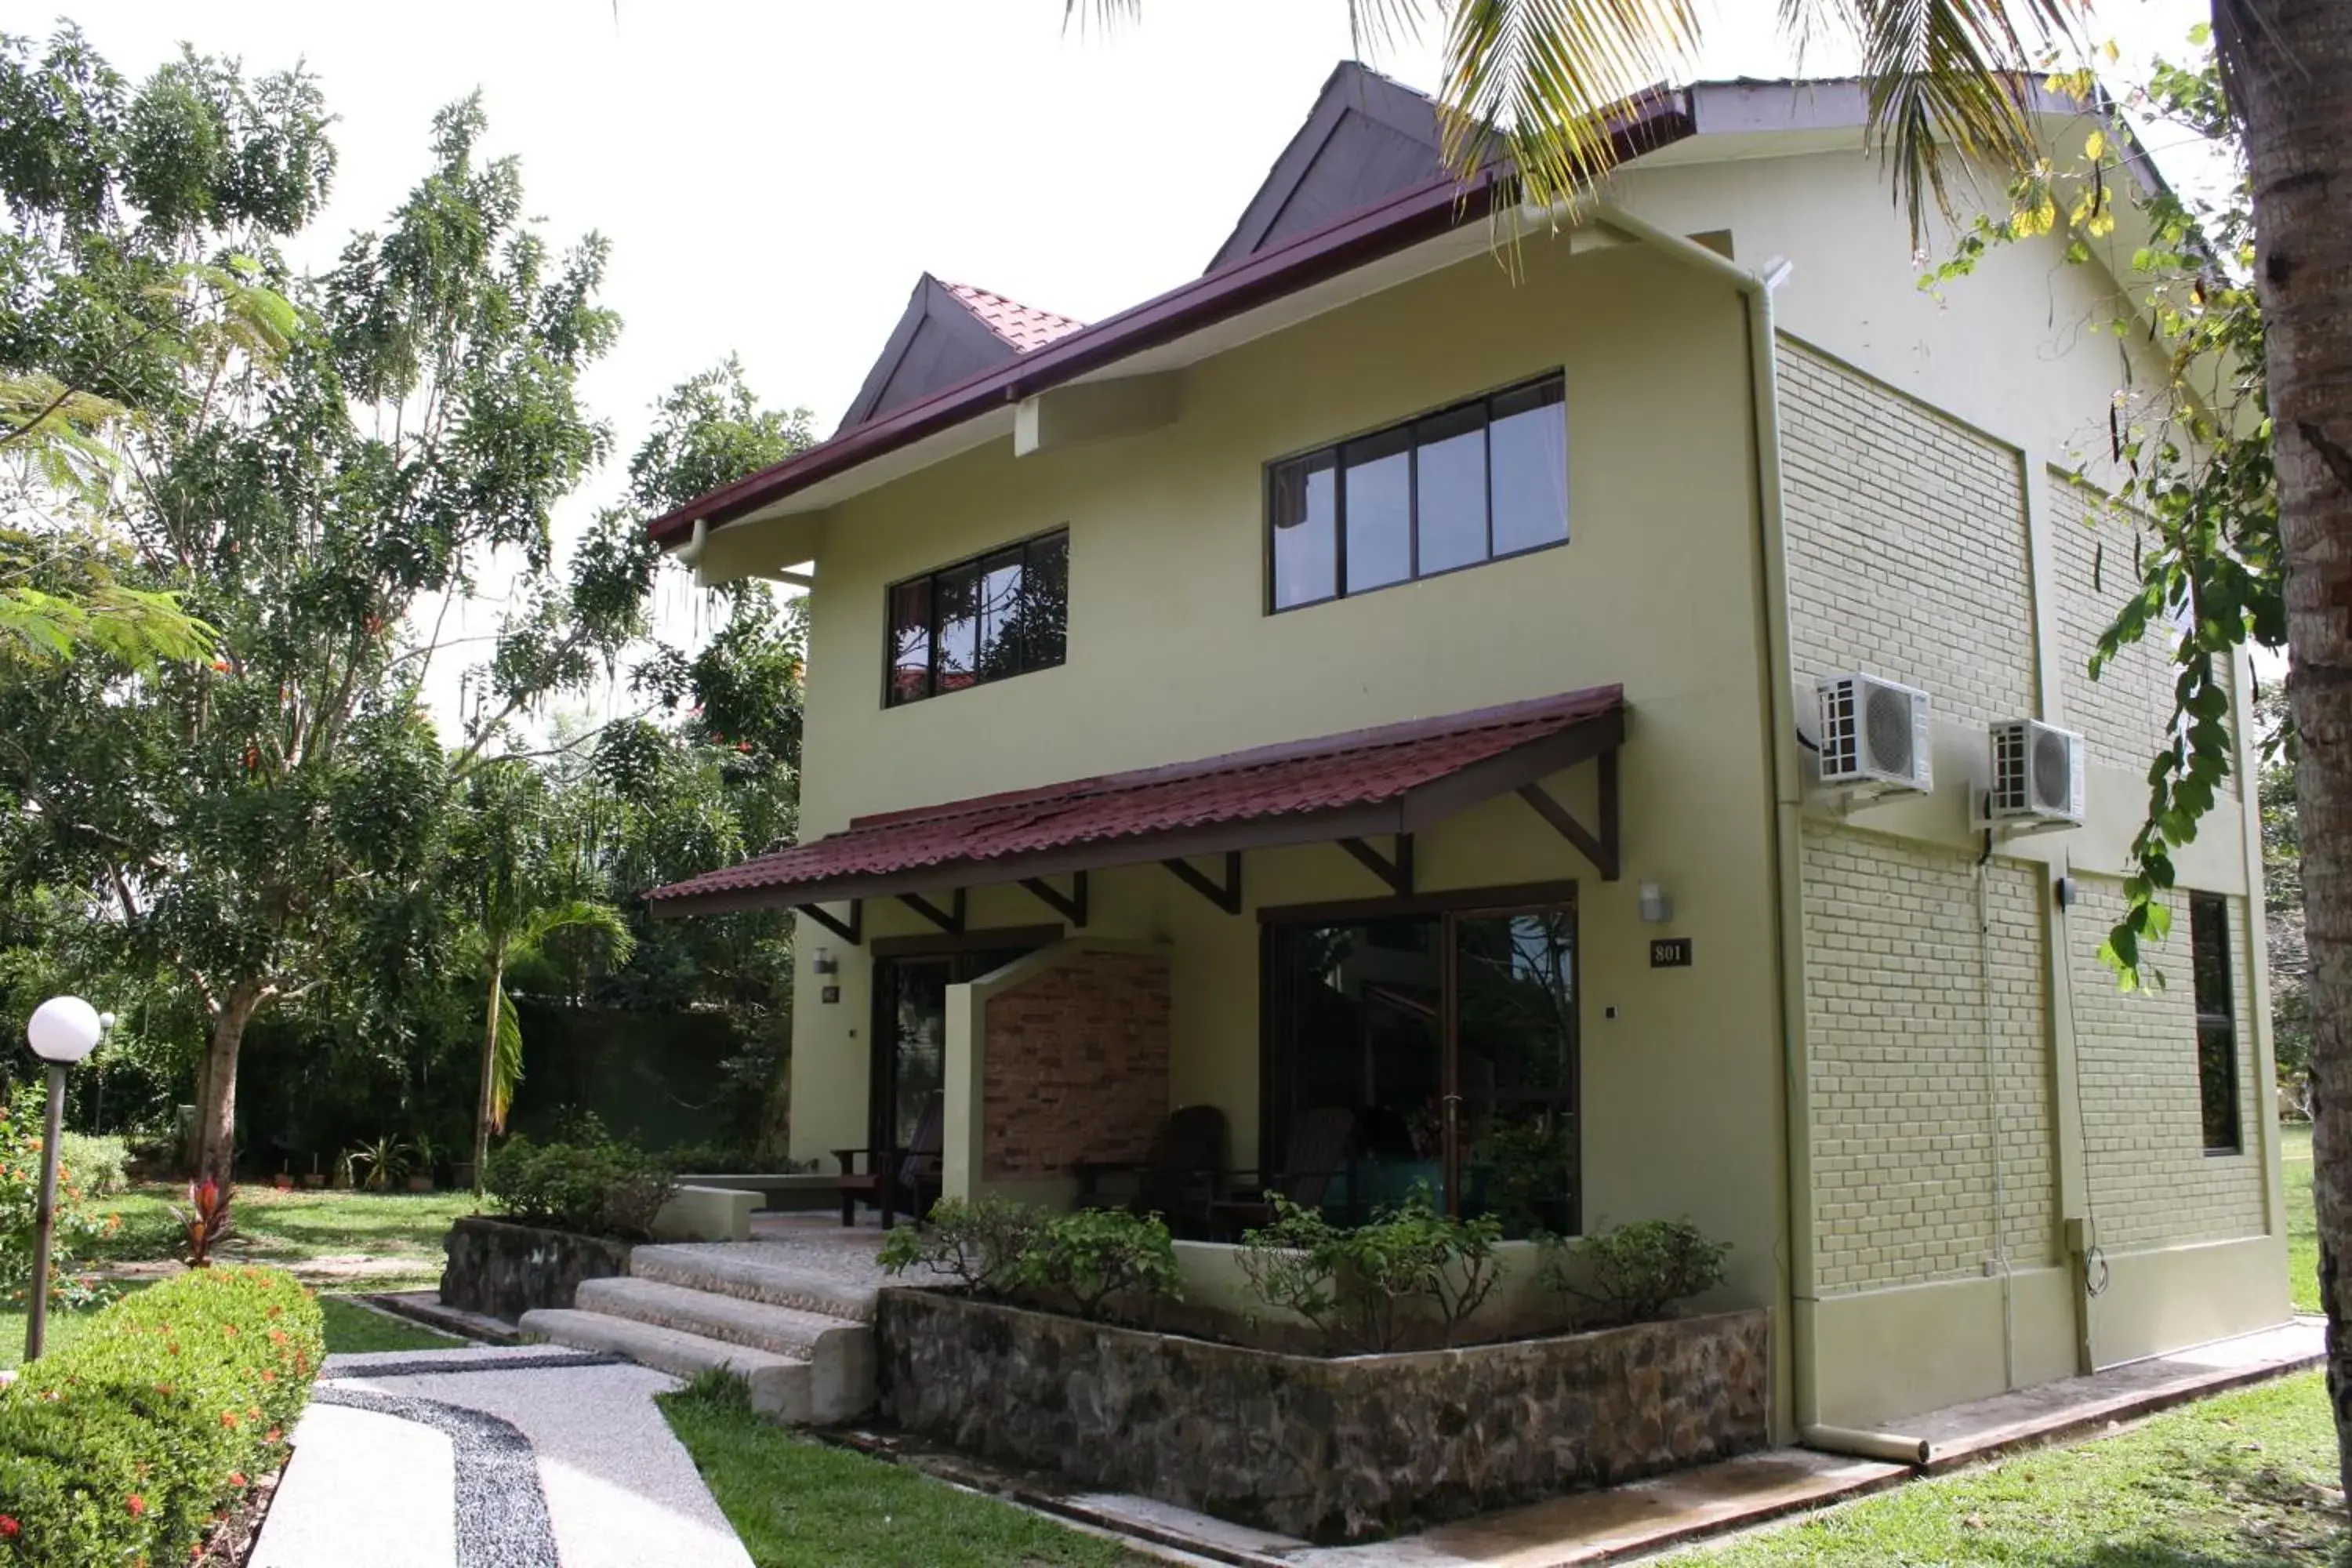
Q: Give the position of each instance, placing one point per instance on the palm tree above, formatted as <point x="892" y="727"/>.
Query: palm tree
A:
<point x="1533" y="81"/>
<point x="517" y="910"/>
<point x="515" y="932"/>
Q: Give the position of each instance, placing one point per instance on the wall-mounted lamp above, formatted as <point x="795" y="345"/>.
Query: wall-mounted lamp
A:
<point x="825" y="964"/>
<point x="1657" y="905"/>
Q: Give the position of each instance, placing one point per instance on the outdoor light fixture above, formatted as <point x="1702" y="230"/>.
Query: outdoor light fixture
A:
<point x="825" y="964"/>
<point x="1657" y="904"/>
<point x="62" y="1031"/>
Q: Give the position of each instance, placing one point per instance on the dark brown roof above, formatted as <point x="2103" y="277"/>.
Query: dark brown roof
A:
<point x="1394" y="223"/>
<point x="1394" y="779"/>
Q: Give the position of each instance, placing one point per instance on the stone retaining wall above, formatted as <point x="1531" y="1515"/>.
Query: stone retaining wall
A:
<point x="505" y="1270"/>
<point x="1341" y="1449"/>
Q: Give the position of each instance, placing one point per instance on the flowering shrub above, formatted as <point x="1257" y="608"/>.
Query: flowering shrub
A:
<point x="124" y="1446"/>
<point x="20" y="1197"/>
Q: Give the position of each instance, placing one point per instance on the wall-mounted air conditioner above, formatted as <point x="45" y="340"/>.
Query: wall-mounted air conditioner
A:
<point x="1875" y="735"/>
<point x="2037" y="776"/>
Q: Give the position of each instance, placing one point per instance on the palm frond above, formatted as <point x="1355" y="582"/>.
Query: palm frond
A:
<point x="574" y="915"/>
<point x="1537" y="80"/>
<point x="506" y="1062"/>
<point x="1945" y="82"/>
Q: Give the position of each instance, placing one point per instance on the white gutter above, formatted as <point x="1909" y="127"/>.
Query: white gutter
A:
<point x="1755" y="289"/>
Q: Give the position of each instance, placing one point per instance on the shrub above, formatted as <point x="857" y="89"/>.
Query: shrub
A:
<point x="96" y="1167"/>
<point x="1633" y="1273"/>
<point x="1365" y="1286"/>
<point x="21" y="1127"/>
<point x="205" y="1223"/>
<point x="1086" y="1259"/>
<point x="979" y="1244"/>
<point x="598" y="1185"/>
<point x="119" y="1447"/>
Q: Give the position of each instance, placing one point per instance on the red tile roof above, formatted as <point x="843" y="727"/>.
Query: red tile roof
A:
<point x="1340" y="786"/>
<point x="1022" y="326"/>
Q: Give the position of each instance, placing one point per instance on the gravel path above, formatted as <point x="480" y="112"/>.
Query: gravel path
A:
<point x="520" y="1457"/>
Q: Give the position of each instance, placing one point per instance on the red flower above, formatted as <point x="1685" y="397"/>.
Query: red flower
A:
<point x="237" y="1477"/>
<point x="137" y="1504"/>
<point x="8" y="1527"/>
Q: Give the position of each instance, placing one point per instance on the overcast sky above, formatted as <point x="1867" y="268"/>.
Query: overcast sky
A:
<point x="773" y="175"/>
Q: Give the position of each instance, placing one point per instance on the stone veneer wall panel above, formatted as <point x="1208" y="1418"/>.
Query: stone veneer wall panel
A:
<point x="1330" y="1449"/>
<point x="1076" y="1065"/>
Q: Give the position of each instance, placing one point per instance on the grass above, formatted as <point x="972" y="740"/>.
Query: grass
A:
<point x="800" y="1504"/>
<point x="2302" y="1224"/>
<point x="299" y="1227"/>
<point x="2242" y="1481"/>
<point x="350" y="1327"/>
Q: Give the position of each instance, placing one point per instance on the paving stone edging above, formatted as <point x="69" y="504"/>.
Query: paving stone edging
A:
<point x="502" y="1518"/>
<point x="428" y="1366"/>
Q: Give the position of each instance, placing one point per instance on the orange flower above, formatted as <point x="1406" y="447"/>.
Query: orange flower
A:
<point x="137" y="1504"/>
<point x="237" y="1477"/>
<point x="228" y="1417"/>
<point x="272" y="1436"/>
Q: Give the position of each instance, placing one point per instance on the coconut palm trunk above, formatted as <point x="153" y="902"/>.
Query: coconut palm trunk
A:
<point x="2291" y="78"/>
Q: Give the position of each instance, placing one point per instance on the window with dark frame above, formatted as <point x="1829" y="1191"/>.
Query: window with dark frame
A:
<point x="1476" y="482"/>
<point x="2217" y="1034"/>
<point x="1000" y="614"/>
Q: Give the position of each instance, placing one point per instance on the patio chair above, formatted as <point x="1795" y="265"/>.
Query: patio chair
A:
<point x="914" y="1173"/>
<point x="1322" y="1141"/>
<point x="1177" y="1178"/>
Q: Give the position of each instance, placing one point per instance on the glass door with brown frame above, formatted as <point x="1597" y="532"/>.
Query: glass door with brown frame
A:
<point x="1514" y="1153"/>
<point x="910" y="1033"/>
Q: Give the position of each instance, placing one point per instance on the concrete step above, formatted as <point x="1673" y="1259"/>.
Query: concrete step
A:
<point x="741" y="1272"/>
<point x="784" y="1331"/>
<point x="781" y="1385"/>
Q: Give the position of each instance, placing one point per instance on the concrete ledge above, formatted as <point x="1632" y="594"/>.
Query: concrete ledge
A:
<point x="706" y="1213"/>
<point x="793" y="1192"/>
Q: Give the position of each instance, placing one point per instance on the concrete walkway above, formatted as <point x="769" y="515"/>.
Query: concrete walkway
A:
<point x="491" y="1458"/>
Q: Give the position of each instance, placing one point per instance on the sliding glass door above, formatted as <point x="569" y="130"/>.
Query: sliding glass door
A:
<point x="909" y="1065"/>
<point x="1452" y="1035"/>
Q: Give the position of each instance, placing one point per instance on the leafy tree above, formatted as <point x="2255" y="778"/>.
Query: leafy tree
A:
<point x="252" y="821"/>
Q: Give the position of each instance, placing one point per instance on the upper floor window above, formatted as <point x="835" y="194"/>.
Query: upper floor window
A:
<point x="2217" y="1034"/>
<point x="1480" y="480"/>
<point x="1004" y="613"/>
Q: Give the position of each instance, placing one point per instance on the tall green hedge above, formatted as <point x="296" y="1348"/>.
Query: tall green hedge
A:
<point x="123" y="1446"/>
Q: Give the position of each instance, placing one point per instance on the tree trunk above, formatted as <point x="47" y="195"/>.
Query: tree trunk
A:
<point x="2291" y="74"/>
<point x="216" y="1083"/>
<point x="489" y="1068"/>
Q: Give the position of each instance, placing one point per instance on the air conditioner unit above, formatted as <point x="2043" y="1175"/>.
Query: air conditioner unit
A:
<point x="2037" y="775"/>
<point x="1874" y="735"/>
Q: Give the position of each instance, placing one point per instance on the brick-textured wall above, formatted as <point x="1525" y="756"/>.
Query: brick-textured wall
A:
<point x="2124" y="714"/>
<point x="1076" y="1065"/>
<point x="2151" y="1183"/>
<point x="1906" y="543"/>
<point x="1898" y="1003"/>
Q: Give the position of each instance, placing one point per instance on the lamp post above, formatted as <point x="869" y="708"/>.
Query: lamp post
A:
<point x="63" y="1030"/>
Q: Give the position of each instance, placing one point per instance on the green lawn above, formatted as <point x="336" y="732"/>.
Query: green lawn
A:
<point x="299" y="1230"/>
<point x="2302" y="1225"/>
<point x="350" y="1327"/>
<point x="2242" y="1481"/>
<point x="800" y="1504"/>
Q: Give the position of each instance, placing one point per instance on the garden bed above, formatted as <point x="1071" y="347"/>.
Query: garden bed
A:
<point x="503" y="1269"/>
<point x="1329" y="1449"/>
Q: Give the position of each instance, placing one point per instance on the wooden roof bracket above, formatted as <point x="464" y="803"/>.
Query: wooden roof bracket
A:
<point x="1600" y="847"/>
<point x="852" y="930"/>
<point x="1395" y="869"/>
<point x="1071" y="906"/>
<point x="1227" y="898"/>
<point x="949" y="921"/>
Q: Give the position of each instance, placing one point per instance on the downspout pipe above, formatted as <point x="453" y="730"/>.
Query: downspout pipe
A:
<point x="690" y="554"/>
<point x="1755" y="289"/>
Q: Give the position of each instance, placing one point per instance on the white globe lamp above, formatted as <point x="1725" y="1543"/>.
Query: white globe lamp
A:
<point x="61" y="1031"/>
<point x="64" y="1029"/>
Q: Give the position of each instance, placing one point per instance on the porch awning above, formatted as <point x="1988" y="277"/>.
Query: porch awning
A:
<point x="1396" y="779"/>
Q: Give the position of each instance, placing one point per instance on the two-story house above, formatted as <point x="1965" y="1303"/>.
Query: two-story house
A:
<point x="1384" y="672"/>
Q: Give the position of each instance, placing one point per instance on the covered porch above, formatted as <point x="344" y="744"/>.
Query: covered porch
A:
<point x="1361" y="955"/>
